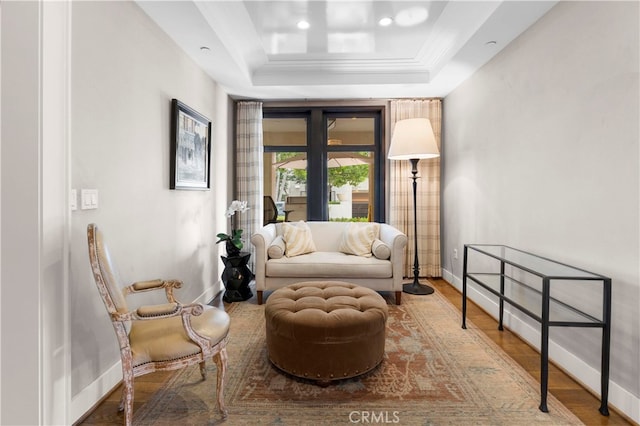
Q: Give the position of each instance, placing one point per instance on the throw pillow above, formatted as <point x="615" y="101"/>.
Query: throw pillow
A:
<point x="297" y="238"/>
<point x="276" y="248"/>
<point x="357" y="238"/>
<point x="380" y="250"/>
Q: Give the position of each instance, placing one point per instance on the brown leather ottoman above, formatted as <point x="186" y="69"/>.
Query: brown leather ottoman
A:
<point x="325" y="330"/>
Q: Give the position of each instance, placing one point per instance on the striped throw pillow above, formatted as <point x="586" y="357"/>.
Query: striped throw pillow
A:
<point x="358" y="237"/>
<point x="297" y="238"/>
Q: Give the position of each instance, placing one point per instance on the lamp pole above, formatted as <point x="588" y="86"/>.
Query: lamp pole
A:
<point x="415" y="287"/>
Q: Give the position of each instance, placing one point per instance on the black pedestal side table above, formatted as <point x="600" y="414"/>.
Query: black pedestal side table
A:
<point x="236" y="278"/>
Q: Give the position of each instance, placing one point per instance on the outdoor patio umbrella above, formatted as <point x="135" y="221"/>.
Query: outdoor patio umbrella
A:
<point x="336" y="159"/>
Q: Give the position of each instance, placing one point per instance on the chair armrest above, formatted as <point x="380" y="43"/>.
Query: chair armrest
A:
<point x="157" y="311"/>
<point x="153" y="312"/>
<point x="394" y="238"/>
<point x="147" y="285"/>
<point x="397" y="241"/>
<point x="168" y="310"/>
<point x="157" y="284"/>
<point x="261" y="240"/>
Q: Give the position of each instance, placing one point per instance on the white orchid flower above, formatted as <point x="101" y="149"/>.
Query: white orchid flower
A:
<point x="236" y="206"/>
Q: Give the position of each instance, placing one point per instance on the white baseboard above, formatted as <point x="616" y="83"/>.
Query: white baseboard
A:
<point x="620" y="398"/>
<point x="89" y="396"/>
<point x="210" y="293"/>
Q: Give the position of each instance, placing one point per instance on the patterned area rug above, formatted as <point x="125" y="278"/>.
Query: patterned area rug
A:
<point x="434" y="373"/>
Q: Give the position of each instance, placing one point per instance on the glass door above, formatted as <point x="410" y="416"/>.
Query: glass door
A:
<point x="350" y="161"/>
<point x="324" y="165"/>
<point x="285" y="168"/>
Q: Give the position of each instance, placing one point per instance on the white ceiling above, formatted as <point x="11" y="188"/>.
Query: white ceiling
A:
<point x="254" y="49"/>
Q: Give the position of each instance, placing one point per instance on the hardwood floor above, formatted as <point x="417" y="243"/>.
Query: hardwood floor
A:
<point x="575" y="397"/>
<point x="581" y="402"/>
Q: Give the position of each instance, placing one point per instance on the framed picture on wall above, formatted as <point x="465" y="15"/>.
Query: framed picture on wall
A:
<point x="190" y="148"/>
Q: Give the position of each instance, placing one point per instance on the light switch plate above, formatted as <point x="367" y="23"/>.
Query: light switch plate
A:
<point x="73" y="200"/>
<point x="89" y="199"/>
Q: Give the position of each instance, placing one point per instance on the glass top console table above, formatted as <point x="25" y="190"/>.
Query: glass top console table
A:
<point x="544" y="290"/>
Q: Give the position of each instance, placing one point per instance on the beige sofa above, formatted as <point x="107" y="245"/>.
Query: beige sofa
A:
<point x="327" y="262"/>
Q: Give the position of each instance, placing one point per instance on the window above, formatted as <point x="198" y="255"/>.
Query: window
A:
<point x="324" y="164"/>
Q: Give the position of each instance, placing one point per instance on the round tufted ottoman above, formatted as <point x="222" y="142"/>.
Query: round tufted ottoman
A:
<point x="325" y="330"/>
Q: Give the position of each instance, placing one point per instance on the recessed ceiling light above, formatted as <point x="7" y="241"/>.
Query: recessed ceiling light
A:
<point x="385" y="21"/>
<point x="303" y="25"/>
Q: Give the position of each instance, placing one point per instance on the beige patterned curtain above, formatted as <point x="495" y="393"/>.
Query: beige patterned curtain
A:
<point x="249" y="169"/>
<point x="428" y="191"/>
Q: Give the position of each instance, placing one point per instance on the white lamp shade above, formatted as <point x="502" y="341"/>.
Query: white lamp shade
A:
<point x="413" y="138"/>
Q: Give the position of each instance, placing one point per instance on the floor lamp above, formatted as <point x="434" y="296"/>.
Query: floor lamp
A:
<point x="412" y="140"/>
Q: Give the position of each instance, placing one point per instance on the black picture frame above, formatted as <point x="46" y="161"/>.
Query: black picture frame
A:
<point x="190" y="148"/>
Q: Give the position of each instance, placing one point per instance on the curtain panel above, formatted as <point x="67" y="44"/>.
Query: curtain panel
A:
<point x="428" y="191"/>
<point x="249" y="169"/>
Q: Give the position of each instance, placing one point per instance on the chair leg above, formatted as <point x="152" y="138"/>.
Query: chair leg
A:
<point x="398" y="297"/>
<point x="259" y="297"/>
<point x="203" y="370"/>
<point x="221" y="362"/>
<point x="126" y="400"/>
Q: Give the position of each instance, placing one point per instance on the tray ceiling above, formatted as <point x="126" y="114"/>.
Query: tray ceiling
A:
<point x="256" y="49"/>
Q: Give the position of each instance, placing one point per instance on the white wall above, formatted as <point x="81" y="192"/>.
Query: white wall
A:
<point x="541" y="153"/>
<point x="125" y="71"/>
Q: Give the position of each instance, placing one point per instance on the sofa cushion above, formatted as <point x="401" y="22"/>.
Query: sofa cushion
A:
<point x="276" y="248"/>
<point x="358" y="237"/>
<point x="297" y="238"/>
<point x="323" y="264"/>
<point x="380" y="250"/>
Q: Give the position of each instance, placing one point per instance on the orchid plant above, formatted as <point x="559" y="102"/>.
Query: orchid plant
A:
<point x="235" y="238"/>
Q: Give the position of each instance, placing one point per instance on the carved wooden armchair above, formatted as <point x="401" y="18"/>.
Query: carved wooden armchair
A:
<point x="160" y="337"/>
